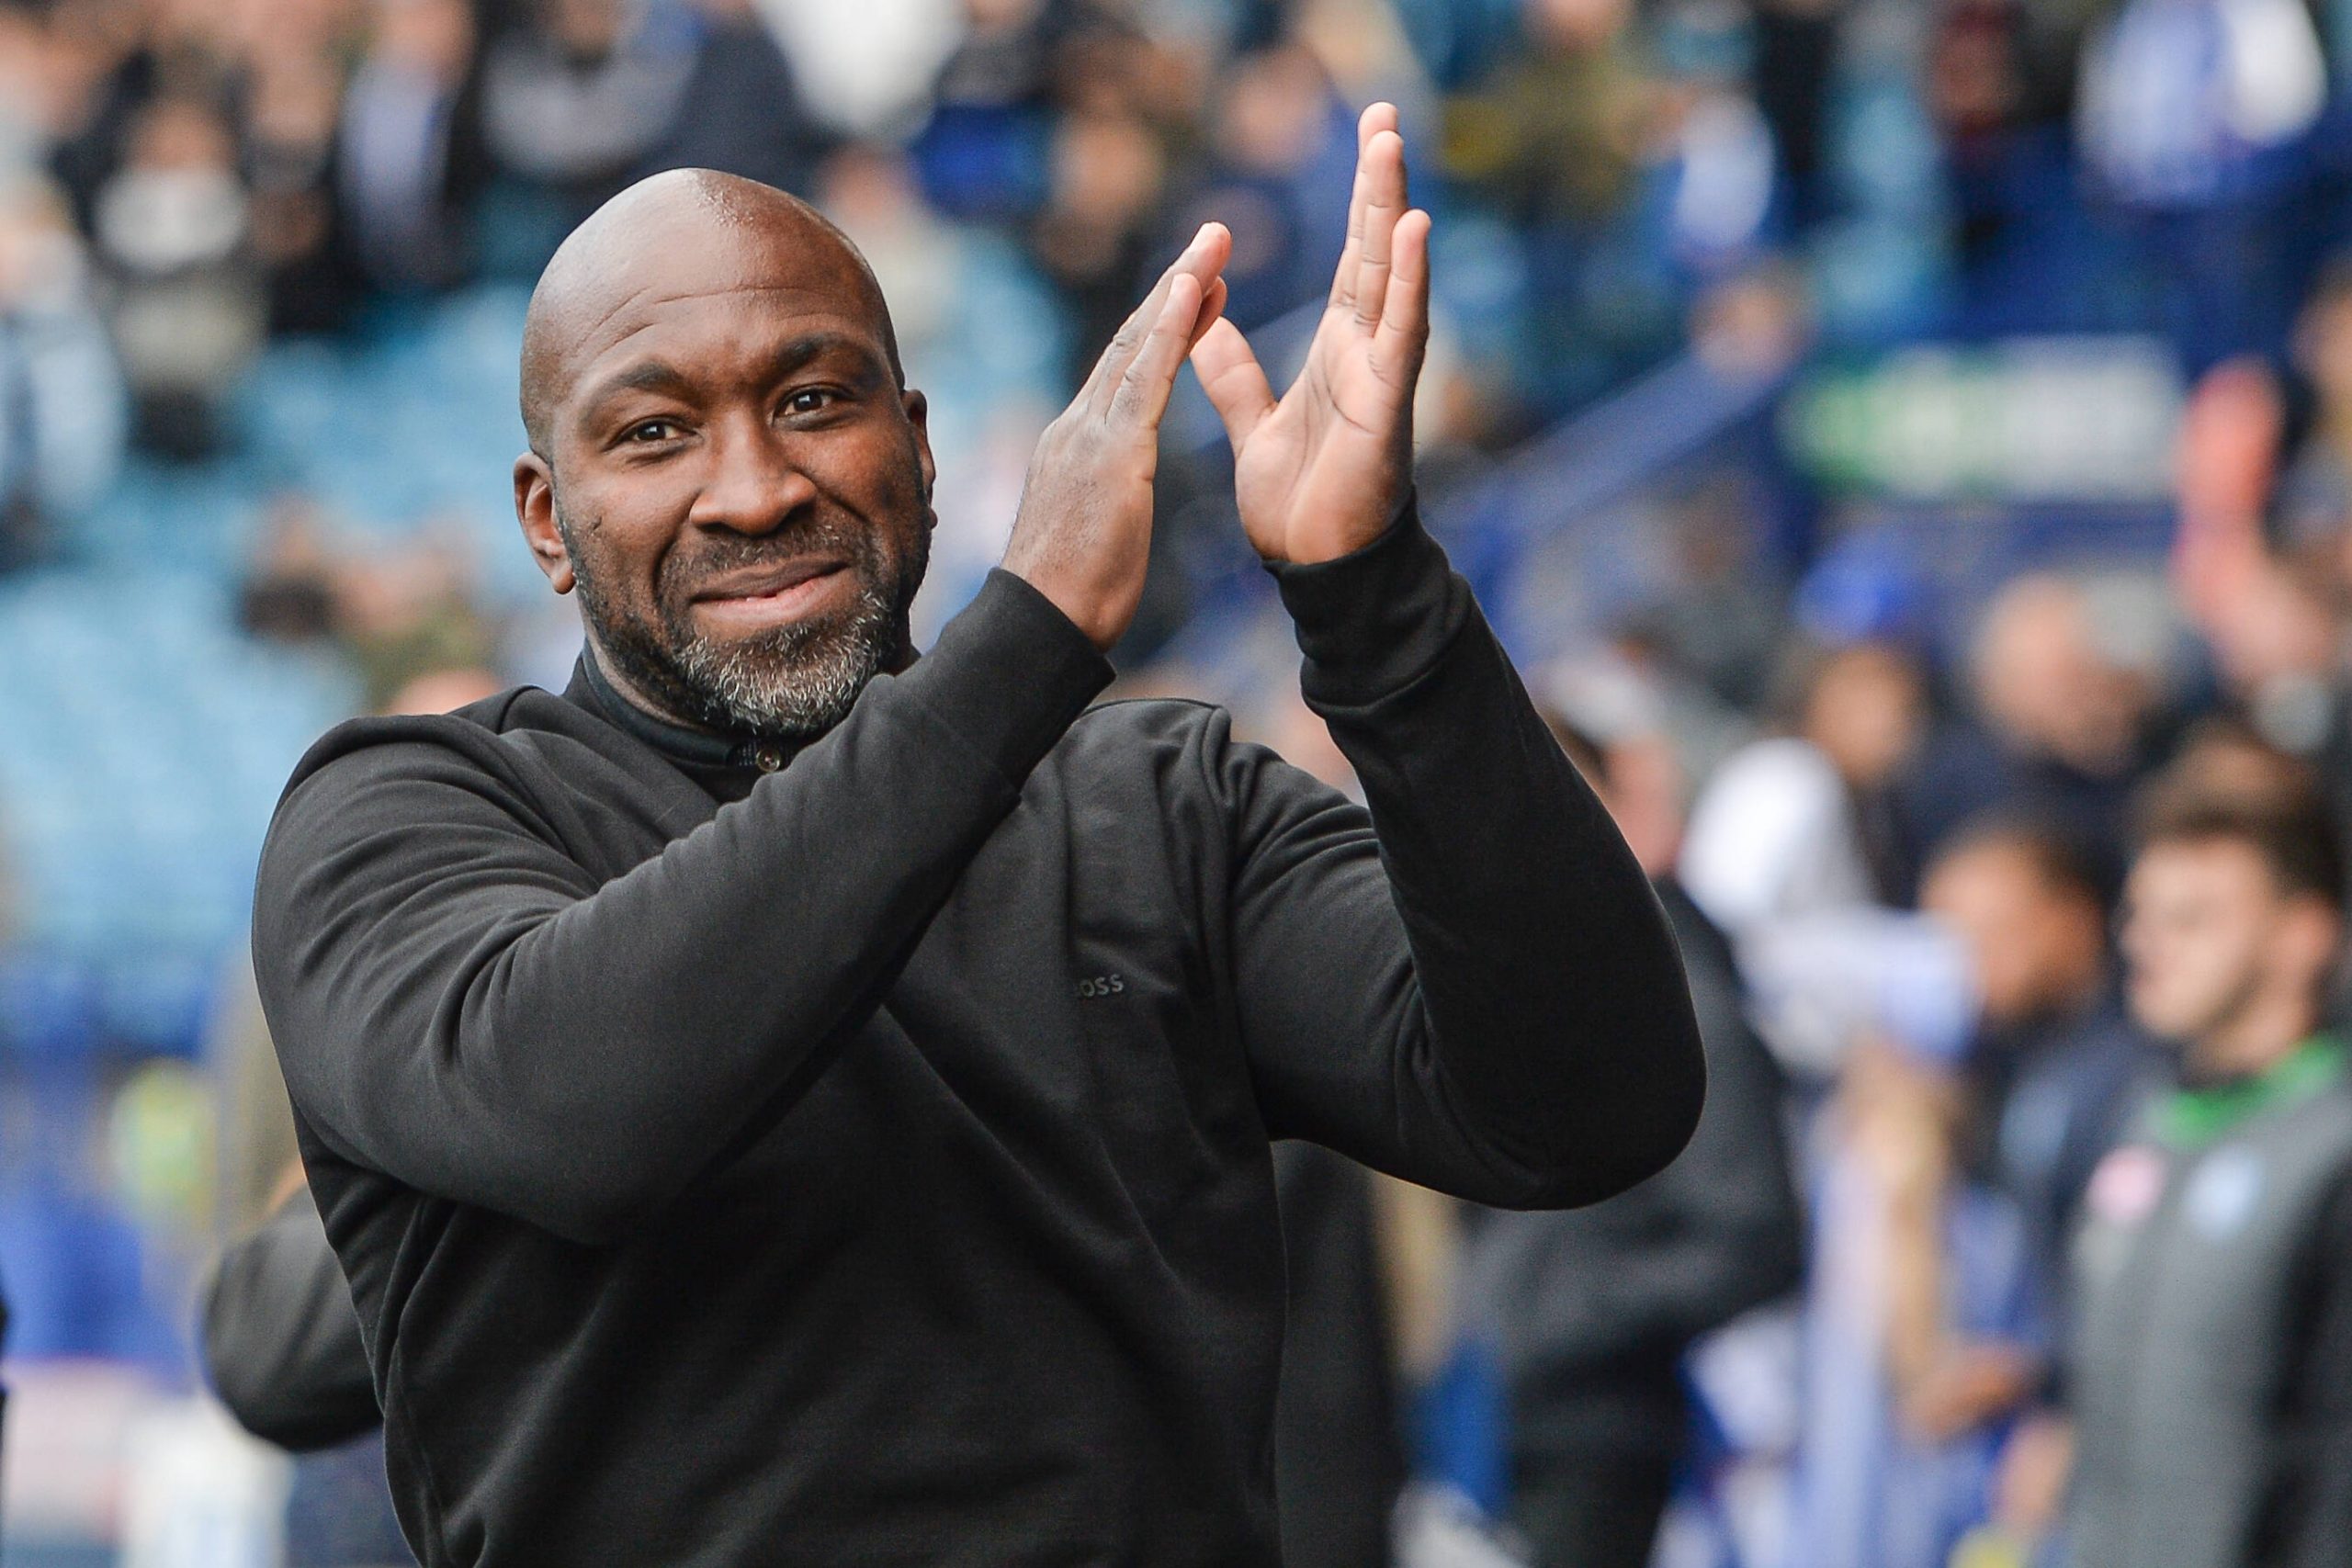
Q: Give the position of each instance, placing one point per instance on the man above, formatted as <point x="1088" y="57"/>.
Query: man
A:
<point x="1590" y="1313"/>
<point x="2063" y="692"/>
<point x="280" y="1342"/>
<point x="281" y="1346"/>
<point x="786" y="1101"/>
<point x="2057" y="1065"/>
<point x="2212" y="1365"/>
<point x="2057" y="1070"/>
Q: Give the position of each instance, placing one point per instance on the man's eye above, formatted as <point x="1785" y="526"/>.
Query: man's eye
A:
<point x="651" y="430"/>
<point x="811" y="400"/>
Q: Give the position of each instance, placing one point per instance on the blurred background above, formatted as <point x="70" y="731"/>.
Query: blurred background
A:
<point x="1887" y="432"/>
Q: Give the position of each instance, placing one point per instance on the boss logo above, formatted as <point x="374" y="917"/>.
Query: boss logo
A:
<point x="1101" y="985"/>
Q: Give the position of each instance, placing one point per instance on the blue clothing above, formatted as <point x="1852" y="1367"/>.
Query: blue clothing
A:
<point x="2059" y="1096"/>
<point x="1868" y="1494"/>
<point x="64" y="414"/>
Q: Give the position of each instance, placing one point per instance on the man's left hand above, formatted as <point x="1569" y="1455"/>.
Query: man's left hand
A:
<point x="1320" y="473"/>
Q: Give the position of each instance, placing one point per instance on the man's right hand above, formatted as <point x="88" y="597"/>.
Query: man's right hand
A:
<point x="1084" y="530"/>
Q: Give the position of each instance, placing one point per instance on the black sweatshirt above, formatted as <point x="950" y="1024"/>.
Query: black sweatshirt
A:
<point x="280" y="1343"/>
<point x="865" y="1161"/>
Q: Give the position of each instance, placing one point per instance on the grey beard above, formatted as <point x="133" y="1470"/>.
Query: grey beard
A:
<point x="791" y="683"/>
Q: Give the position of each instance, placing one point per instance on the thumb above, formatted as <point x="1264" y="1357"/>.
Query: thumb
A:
<point x="1231" y="376"/>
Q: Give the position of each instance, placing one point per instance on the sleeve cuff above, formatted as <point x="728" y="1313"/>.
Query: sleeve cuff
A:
<point x="1010" y="673"/>
<point x="1372" y="621"/>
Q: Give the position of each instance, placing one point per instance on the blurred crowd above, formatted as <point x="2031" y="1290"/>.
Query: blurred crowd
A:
<point x="2016" y="1231"/>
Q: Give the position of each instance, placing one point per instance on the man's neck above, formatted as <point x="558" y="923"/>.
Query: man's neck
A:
<point x="692" y="745"/>
<point x="612" y="683"/>
<point x="683" y="738"/>
<point x="2264" y="1033"/>
<point x="2076" y="995"/>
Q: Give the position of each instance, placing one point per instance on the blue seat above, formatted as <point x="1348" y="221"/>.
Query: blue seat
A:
<point x="47" y="1004"/>
<point x="158" y="1004"/>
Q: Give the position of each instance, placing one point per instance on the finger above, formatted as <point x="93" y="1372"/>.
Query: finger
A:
<point x="1204" y="258"/>
<point x="1212" y="311"/>
<point x="1343" y="277"/>
<point x="1384" y="166"/>
<point x="1143" y="390"/>
<point x="1230" y="375"/>
<point x="1120" y="352"/>
<point x="1374" y="120"/>
<point x="1404" y="332"/>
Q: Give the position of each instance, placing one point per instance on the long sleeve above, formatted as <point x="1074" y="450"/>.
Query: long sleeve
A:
<point x="460" y="1005"/>
<point x="281" y="1341"/>
<point x="1491" y="1003"/>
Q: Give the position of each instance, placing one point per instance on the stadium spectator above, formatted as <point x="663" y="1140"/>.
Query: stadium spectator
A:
<point x="574" y="101"/>
<point x="281" y="1348"/>
<point x="1786" y="850"/>
<point x="2194" y="117"/>
<point x="288" y="592"/>
<point x="408" y="611"/>
<point x="2277" y="646"/>
<point x="1106" y="189"/>
<point x="2056" y="1067"/>
<point x="1784" y="827"/>
<point x="1922" y="1328"/>
<point x="2315" y="500"/>
<point x="982" y="154"/>
<point x="173" y="236"/>
<point x="289" y="134"/>
<point x="62" y="407"/>
<point x="2063" y="704"/>
<point x="1279" y="134"/>
<point x="740" y="111"/>
<point x="278" y="1338"/>
<point x="2213" y="1322"/>
<point x="411" y="159"/>
<point x="1552" y="142"/>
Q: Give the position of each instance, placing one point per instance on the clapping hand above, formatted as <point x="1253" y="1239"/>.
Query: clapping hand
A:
<point x="1320" y="473"/>
<point x="1083" y="534"/>
<point x="1317" y="474"/>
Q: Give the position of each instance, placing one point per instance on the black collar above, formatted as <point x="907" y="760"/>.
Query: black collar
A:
<point x="694" y="749"/>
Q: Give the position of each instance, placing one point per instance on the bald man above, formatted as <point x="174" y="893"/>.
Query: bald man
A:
<point x="784" y="1100"/>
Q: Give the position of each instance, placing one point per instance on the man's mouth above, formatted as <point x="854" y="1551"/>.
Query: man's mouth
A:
<point x="742" y="603"/>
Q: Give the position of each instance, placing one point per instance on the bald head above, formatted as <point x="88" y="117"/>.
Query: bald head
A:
<point x="725" y="464"/>
<point x="670" y="237"/>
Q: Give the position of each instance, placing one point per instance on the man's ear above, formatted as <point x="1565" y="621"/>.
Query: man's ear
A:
<point x="534" y="510"/>
<point x="918" y="409"/>
<point x="2313" y="936"/>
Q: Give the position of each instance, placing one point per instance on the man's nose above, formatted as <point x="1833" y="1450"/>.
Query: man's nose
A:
<point x="754" y="485"/>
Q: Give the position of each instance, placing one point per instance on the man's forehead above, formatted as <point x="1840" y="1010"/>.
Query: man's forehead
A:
<point x="2202" y="862"/>
<point x="689" y="247"/>
<point x="712" y="278"/>
<point x="719" y="328"/>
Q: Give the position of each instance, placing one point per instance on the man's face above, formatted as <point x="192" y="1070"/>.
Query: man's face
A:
<point x="2023" y="937"/>
<point x="2200" y="920"/>
<point x="738" y="484"/>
